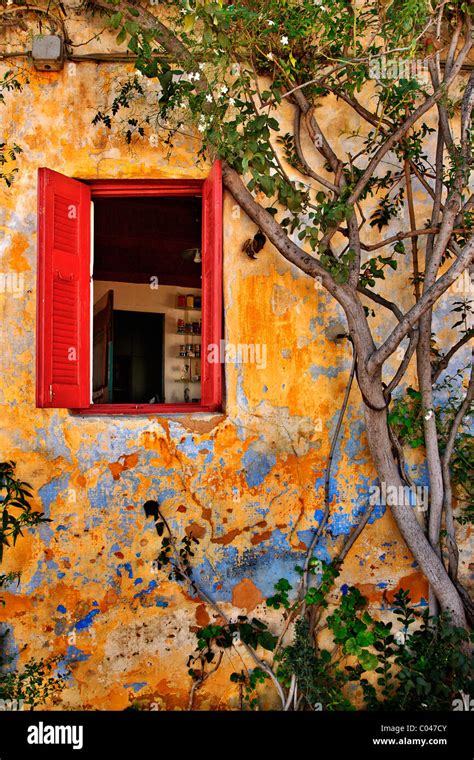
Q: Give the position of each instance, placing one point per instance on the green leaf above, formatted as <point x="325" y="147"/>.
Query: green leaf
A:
<point x="115" y="20"/>
<point x="351" y="647"/>
<point x="131" y="27"/>
<point x="365" y="638"/>
<point x="121" y="36"/>
<point x="368" y="661"/>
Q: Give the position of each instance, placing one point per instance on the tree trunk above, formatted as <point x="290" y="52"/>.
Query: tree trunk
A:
<point x="430" y="563"/>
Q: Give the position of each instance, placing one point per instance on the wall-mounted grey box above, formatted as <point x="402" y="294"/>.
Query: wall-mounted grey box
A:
<point x="47" y="52"/>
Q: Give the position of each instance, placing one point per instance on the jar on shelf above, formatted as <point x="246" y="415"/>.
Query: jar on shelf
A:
<point x="181" y="325"/>
<point x="190" y="301"/>
<point x="181" y="301"/>
<point x="188" y="328"/>
<point x="196" y="329"/>
<point x="197" y="302"/>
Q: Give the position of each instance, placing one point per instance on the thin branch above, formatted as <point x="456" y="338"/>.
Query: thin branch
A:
<point x="327" y="476"/>
<point x="429" y="297"/>
<point x="399" y="374"/>
<point x="403" y="236"/>
<point x="208" y="600"/>
<point x="412" y="119"/>
<point x="443" y="363"/>
<point x="299" y="152"/>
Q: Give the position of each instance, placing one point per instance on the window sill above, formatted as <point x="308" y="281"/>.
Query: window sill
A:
<point x="145" y="409"/>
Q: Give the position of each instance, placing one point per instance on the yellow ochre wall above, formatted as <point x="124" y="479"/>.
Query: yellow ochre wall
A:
<point x="249" y="482"/>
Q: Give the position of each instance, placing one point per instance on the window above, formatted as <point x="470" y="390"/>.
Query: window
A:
<point x="129" y="294"/>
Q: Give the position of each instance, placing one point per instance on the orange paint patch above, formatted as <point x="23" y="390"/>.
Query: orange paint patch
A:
<point x="201" y="426"/>
<point x="415" y="583"/>
<point x="195" y="530"/>
<point x="110" y="600"/>
<point x="246" y="595"/>
<point x="116" y="468"/>
<point x="259" y="537"/>
<point x="228" y="538"/>
<point x="370" y="592"/>
<point x="202" y="618"/>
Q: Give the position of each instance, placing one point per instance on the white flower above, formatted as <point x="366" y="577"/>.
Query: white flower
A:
<point x="270" y="56"/>
<point x="194" y="77"/>
<point x="201" y="66"/>
<point x="231" y="102"/>
<point x="224" y="89"/>
<point x="284" y="40"/>
<point x="271" y="23"/>
<point x="201" y="127"/>
<point x="429" y="414"/>
<point x="209" y="98"/>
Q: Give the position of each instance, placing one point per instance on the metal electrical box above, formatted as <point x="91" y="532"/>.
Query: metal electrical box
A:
<point x="47" y="52"/>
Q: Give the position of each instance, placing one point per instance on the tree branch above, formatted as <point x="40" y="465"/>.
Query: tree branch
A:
<point x="426" y="301"/>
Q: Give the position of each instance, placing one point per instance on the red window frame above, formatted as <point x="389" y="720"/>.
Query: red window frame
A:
<point x="210" y="190"/>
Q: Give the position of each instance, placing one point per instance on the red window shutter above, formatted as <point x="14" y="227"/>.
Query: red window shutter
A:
<point x="211" y="285"/>
<point x="63" y="307"/>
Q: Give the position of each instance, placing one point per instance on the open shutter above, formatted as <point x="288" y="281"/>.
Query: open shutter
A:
<point x="63" y="343"/>
<point x="211" y="285"/>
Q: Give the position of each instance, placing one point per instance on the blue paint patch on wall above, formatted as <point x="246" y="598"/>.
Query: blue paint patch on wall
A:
<point x="317" y="371"/>
<point x="256" y="466"/>
<point x="151" y="587"/>
<point x="136" y="685"/>
<point x="74" y="654"/>
<point x="62" y="671"/>
<point x="189" y="446"/>
<point x="263" y="565"/>
<point x="127" y="567"/>
<point x="322" y="550"/>
<point x="10" y="649"/>
<point x="87" y="621"/>
<point x="48" y="494"/>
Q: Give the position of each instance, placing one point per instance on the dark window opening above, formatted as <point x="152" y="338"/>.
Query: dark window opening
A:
<point x="147" y="300"/>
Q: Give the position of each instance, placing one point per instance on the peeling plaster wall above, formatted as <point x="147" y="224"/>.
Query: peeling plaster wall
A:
<point x="248" y="482"/>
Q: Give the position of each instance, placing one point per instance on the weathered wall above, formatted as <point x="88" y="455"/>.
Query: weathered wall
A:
<point x="249" y="482"/>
